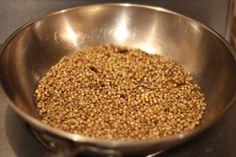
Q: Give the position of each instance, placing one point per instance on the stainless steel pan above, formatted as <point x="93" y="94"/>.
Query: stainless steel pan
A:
<point x="33" y="48"/>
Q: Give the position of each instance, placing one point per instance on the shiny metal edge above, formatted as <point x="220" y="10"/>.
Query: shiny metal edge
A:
<point x="111" y="143"/>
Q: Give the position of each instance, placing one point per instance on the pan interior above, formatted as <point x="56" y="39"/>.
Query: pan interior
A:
<point x="38" y="46"/>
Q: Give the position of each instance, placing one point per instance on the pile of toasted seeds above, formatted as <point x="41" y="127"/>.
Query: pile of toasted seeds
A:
<point x="119" y="93"/>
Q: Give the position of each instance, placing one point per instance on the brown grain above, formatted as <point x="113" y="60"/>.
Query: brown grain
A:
<point x="112" y="92"/>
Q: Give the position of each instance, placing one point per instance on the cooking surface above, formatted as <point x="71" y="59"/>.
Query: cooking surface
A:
<point x="17" y="139"/>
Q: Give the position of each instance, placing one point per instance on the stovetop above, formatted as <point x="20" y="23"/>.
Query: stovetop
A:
<point x="16" y="139"/>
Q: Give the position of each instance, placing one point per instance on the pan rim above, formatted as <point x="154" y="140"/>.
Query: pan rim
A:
<point x="114" y="143"/>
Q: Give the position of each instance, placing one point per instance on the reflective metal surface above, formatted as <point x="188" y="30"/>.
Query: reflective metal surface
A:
<point x="31" y="50"/>
<point x="213" y="13"/>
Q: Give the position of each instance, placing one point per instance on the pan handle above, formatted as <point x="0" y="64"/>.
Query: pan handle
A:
<point x="93" y="150"/>
<point x="64" y="148"/>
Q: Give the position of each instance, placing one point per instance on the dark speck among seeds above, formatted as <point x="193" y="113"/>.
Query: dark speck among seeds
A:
<point x="123" y="50"/>
<point x="92" y="68"/>
<point x="123" y="96"/>
<point x="111" y="99"/>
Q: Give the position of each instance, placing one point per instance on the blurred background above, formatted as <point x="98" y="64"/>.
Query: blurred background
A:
<point x="233" y="28"/>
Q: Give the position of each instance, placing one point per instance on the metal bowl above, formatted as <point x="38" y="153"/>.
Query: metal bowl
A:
<point x="36" y="46"/>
